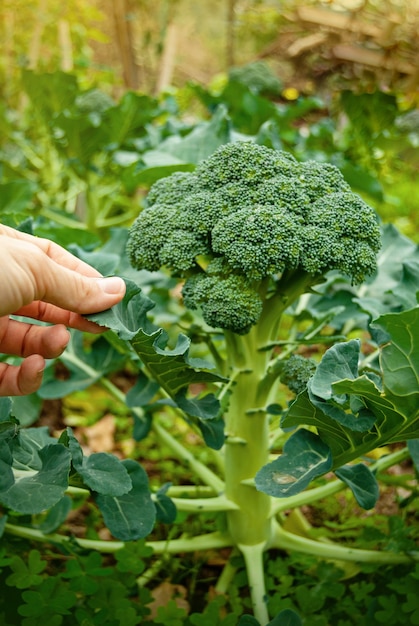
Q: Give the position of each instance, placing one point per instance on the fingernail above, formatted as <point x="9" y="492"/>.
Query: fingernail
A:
<point x="113" y="285"/>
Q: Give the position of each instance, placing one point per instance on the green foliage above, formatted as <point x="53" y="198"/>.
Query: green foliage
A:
<point x="26" y="575"/>
<point x="229" y="234"/>
<point x="49" y="466"/>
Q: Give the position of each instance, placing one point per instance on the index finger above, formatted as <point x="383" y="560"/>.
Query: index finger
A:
<point x="52" y="314"/>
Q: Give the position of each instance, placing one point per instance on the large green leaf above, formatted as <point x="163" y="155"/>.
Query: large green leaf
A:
<point x="27" y="408"/>
<point x="386" y="291"/>
<point x="180" y="152"/>
<point x="131" y="116"/>
<point x="202" y="141"/>
<point x="400" y="359"/>
<point x="406" y="292"/>
<point x="126" y="317"/>
<point x="50" y="93"/>
<point x="305" y="457"/>
<point x="27" y="445"/>
<point x="340" y="361"/>
<point x="359" y="413"/>
<point x="132" y="515"/>
<point x="303" y="412"/>
<point x="173" y="369"/>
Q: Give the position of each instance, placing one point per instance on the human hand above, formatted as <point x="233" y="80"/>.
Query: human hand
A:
<point x="42" y="281"/>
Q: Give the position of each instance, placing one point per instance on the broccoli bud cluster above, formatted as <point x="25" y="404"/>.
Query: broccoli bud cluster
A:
<point x="250" y="214"/>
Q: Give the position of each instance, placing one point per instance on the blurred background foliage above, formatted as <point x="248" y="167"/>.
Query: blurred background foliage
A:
<point x="333" y="80"/>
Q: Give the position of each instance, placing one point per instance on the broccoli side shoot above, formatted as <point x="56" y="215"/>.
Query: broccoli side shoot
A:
<point x="296" y="372"/>
<point x="251" y="227"/>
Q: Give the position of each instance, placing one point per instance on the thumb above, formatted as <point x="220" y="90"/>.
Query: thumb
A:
<point x="76" y="292"/>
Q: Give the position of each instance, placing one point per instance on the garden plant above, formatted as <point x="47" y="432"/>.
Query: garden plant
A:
<point x="271" y="318"/>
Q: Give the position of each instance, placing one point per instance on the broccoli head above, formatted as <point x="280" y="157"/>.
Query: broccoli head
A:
<point x="251" y="223"/>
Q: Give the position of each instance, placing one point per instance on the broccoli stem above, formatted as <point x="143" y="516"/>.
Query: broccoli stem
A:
<point x="247" y="443"/>
<point x="253" y="557"/>
<point x="247" y="422"/>
<point x="292" y="285"/>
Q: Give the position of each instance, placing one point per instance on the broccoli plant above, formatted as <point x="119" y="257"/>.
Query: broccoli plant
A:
<point x="251" y="235"/>
<point x="248" y="233"/>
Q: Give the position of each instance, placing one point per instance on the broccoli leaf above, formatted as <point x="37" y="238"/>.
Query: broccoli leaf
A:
<point x="100" y="471"/>
<point x="362" y="483"/>
<point x="400" y="358"/>
<point x="126" y="317"/>
<point x="304" y="457"/>
<point x="356" y="414"/>
<point x="132" y="515"/>
<point x="173" y="369"/>
<point x="42" y="490"/>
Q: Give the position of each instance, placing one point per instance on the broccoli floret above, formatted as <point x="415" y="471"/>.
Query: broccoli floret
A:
<point x="296" y="372"/>
<point x="259" y="244"/>
<point x="168" y="190"/>
<point x="251" y="229"/>
<point x="228" y="303"/>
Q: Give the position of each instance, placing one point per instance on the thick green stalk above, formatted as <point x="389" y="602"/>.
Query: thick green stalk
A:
<point x="247" y="444"/>
<point x="247" y="423"/>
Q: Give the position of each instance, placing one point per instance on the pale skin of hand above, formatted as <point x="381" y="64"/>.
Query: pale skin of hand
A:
<point x="42" y="281"/>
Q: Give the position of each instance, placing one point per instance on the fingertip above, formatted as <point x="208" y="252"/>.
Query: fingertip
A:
<point x="30" y="374"/>
<point x="113" y="286"/>
<point x="60" y="336"/>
